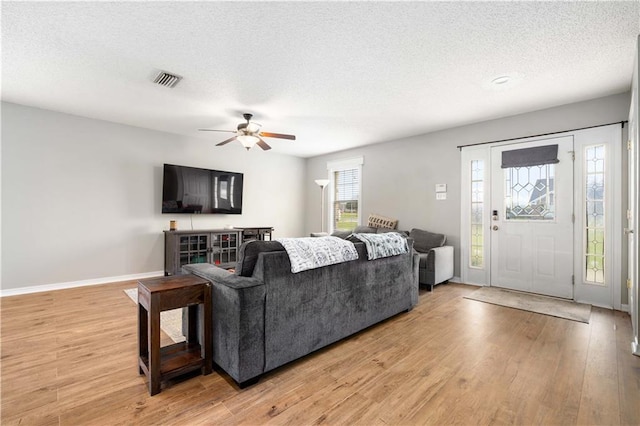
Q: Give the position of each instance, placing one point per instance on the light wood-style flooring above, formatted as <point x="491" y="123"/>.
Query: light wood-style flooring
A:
<point x="69" y="358"/>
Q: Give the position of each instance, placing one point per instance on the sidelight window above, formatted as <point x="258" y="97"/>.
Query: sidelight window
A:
<point x="476" y="258"/>
<point x="594" y="210"/>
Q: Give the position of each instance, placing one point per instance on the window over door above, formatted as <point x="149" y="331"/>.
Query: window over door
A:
<point x="345" y="193"/>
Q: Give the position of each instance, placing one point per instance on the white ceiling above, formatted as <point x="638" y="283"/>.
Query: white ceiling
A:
<point x="336" y="74"/>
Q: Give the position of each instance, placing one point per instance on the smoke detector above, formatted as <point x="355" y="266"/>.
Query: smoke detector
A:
<point x="167" y="79"/>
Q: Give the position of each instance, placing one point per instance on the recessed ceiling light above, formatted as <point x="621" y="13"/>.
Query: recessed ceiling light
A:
<point x="503" y="79"/>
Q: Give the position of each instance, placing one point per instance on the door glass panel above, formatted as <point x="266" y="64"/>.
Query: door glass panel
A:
<point x="530" y="193"/>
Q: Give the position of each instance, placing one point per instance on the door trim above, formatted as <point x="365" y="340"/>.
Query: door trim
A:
<point x="482" y="276"/>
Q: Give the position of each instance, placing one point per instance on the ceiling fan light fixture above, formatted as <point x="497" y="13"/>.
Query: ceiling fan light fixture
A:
<point x="249" y="134"/>
<point x="253" y="127"/>
<point x="248" y="141"/>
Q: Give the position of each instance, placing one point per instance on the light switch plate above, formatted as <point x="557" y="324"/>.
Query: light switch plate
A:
<point x="441" y="187"/>
<point x="441" y="195"/>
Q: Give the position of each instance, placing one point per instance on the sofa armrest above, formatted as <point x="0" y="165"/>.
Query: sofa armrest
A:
<point x="443" y="263"/>
<point x="238" y="320"/>
<point x="415" y="256"/>
<point x="221" y="276"/>
<point x="319" y="234"/>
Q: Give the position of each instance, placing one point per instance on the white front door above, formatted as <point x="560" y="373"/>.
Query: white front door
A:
<point x="532" y="222"/>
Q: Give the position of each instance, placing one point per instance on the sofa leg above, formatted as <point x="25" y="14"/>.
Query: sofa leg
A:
<point x="431" y="287"/>
<point x="249" y="382"/>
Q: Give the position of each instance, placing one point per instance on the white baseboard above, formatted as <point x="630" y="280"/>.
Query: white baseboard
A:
<point x="459" y="281"/>
<point x="73" y="284"/>
<point x="624" y="308"/>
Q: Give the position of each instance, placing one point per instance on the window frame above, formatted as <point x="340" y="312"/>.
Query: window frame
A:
<point x="339" y="166"/>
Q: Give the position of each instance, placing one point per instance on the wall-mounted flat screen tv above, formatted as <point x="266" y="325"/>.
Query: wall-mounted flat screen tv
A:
<point x="200" y="191"/>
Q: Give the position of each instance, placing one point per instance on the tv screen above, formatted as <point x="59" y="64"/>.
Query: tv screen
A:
<point x="200" y="191"/>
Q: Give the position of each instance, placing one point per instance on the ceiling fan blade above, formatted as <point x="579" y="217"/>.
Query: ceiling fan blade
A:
<point x="277" y="135"/>
<point x="262" y="144"/>
<point x="227" y="141"/>
<point x="213" y="130"/>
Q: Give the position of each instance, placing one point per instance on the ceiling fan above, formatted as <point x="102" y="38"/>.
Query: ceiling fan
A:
<point x="249" y="134"/>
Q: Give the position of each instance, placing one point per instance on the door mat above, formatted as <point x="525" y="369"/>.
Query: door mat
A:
<point x="170" y="321"/>
<point x="533" y="303"/>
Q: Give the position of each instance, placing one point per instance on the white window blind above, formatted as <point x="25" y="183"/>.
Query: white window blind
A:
<point x="345" y="193"/>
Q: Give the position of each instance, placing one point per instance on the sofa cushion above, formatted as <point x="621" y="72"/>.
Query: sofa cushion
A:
<point x="341" y="234"/>
<point x="425" y="240"/>
<point x="318" y="234"/>
<point x="365" y="230"/>
<point x="248" y="255"/>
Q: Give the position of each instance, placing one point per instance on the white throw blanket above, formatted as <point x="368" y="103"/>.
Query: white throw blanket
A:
<point x="315" y="252"/>
<point x="383" y="245"/>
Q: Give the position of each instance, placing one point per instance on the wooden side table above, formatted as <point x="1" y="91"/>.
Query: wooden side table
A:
<point x="162" y="294"/>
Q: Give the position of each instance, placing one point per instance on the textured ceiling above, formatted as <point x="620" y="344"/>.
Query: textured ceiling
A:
<point x="336" y="74"/>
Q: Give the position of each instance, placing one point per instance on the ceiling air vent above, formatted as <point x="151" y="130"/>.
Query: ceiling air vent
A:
<point x="166" y="79"/>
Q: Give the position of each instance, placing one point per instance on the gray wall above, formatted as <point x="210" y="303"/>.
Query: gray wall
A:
<point x="81" y="198"/>
<point x="399" y="177"/>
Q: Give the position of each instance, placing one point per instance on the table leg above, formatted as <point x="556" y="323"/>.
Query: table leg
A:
<point x="192" y="325"/>
<point x="207" y="331"/>
<point x="153" y="330"/>
<point x="143" y="335"/>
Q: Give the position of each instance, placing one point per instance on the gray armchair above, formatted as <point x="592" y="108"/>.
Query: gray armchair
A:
<point x="436" y="259"/>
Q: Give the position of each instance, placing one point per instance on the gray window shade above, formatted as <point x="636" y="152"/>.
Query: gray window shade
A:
<point x="527" y="157"/>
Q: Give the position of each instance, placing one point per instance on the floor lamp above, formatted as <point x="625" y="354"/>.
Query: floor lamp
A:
<point x="322" y="183"/>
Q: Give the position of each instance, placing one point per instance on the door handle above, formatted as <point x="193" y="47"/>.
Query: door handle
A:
<point x="628" y="231"/>
<point x="495" y="227"/>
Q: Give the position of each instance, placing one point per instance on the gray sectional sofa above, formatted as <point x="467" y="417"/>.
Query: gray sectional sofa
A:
<point x="265" y="316"/>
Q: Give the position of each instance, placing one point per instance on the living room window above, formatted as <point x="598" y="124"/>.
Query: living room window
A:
<point x="345" y="192"/>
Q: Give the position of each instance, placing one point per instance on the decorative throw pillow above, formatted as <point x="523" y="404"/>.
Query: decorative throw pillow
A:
<point x="423" y="241"/>
<point x="377" y="221"/>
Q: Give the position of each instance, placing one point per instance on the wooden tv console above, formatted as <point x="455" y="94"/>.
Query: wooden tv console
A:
<point x="217" y="246"/>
